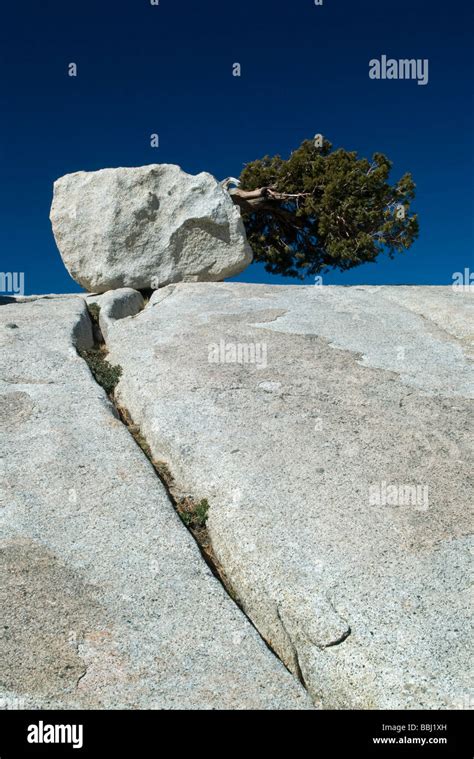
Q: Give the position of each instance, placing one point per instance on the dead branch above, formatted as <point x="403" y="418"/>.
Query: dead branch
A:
<point x="252" y="200"/>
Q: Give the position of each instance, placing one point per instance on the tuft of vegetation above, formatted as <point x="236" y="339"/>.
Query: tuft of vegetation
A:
<point x="164" y="472"/>
<point x="94" y="315"/>
<point x="94" y="312"/>
<point x="194" y="515"/>
<point x="104" y="373"/>
<point x="142" y="443"/>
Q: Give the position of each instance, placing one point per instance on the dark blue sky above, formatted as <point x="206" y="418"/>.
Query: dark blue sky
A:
<point x="167" y="69"/>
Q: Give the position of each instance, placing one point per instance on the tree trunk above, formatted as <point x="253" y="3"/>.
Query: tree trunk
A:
<point x="262" y="199"/>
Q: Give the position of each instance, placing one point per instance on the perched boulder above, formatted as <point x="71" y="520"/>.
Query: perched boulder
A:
<point x="147" y="227"/>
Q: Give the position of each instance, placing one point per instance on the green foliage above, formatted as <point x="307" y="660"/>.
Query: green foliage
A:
<point x="346" y="214"/>
<point x="194" y="515"/>
<point x="104" y="373"/>
<point x="94" y="312"/>
<point x="164" y="472"/>
<point x="201" y="513"/>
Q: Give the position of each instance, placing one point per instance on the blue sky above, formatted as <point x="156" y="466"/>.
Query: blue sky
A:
<point x="167" y="69"/>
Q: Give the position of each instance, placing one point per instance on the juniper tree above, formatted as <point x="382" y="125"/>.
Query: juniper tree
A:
<point x="323" y="208"/>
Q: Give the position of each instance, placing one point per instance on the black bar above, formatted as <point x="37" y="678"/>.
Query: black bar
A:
<point x="155" y="733"/>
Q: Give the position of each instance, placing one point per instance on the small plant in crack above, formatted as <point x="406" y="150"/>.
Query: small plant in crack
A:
<point x="94" y="311"/>
<point x="201" y="513"/>
<point x="104" y="373"/>
<point x="164" y="472"/>
<point x="140" y="440"/>
<point x="194" y="515"/>
<point x="94" y="314"/>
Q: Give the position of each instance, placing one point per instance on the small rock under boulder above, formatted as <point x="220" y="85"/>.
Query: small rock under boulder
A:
<point x="114" y="305"/>
<point x="147" y="227"/>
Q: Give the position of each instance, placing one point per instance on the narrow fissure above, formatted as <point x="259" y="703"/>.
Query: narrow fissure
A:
<point x="193" y="513"/>
<point x="340" y="640"/>
<point x="298" y="671"/>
